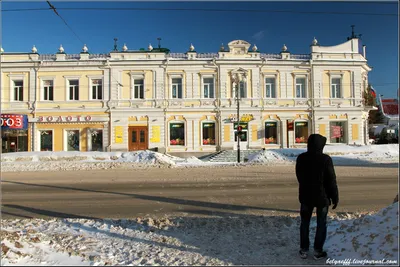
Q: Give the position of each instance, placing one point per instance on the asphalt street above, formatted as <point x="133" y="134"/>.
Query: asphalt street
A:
<point x="158" y="192"/>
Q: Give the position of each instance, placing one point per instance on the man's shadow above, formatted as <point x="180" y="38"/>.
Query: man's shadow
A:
<point x="232" y="238"/>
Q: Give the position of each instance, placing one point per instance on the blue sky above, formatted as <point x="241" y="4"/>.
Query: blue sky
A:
<point x="207" y="30"/>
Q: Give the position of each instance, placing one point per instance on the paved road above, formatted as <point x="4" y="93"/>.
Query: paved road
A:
<point x="224" y="191"/>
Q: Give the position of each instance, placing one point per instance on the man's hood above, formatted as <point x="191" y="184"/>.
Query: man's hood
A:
<point x="316" y="143"/>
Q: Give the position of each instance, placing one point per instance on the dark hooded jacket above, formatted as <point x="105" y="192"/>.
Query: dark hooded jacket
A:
<point x="316" y="175"/>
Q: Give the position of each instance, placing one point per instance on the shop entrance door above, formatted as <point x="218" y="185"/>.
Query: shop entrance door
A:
<point x="243" y="143"/>
<point x="14" y="142"/>
<point x="138" y="138"/>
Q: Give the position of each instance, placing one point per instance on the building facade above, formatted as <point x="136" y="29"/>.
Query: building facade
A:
<point x="183" y="102"/>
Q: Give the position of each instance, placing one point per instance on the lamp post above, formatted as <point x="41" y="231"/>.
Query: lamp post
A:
<point x="238" y="77"/>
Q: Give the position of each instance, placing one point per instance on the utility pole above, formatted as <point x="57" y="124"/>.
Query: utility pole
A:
<point x="236" y="78"/>
<point x="238" y="121"/>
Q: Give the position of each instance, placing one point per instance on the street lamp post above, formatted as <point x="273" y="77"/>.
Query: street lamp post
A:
<point x="238" y="121"/>
<point x="238" y="77"/>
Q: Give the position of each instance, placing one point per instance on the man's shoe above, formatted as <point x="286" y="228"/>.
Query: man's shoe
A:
<point x="303" y="254"/>
<point x="320" y="255"/>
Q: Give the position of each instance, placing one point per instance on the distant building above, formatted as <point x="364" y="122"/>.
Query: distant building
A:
<point x="390" y="109"/>
<point x="183" y="102"/>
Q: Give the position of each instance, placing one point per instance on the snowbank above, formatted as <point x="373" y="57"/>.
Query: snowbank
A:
<point x="59" y="161"/>
<point x="209" y="240"/>
<point x="373" y="238"/>
<point x="63" y="161"/>
<point x="341" y="154"/>
<point x="143" y="156"/>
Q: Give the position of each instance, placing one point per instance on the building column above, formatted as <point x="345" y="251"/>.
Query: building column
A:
<point x="283" y="133"/>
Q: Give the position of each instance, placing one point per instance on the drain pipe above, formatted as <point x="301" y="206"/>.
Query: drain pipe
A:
<point x="218" y="103"/>
<point x="108" y="66"/>
<point x="36" y="68"/>
<point x="165" y="105"/>
<point x="314" y="121"/>
<point x="154" y="85"/>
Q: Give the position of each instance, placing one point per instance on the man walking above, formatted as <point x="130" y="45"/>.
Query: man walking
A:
<point x="317" y="188"/>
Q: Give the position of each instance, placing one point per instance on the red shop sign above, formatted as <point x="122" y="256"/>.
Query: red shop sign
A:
<point x="14" y="121"/>
<point x="336" y="131"/>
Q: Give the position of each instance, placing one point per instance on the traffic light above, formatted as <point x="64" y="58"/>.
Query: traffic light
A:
<point x="239" y="129"/>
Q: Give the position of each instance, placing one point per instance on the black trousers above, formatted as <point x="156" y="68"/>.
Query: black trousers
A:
<point x="320" y="235"/>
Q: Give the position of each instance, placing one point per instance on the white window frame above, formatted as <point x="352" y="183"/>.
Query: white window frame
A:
<point x="137" y="87"/>
<point x="14" y="78"/>
<point x="203" y="84"/>
<point x="340" y="77"/>
<point x="239" y="90"/>
<point x="66" y="138"/>
<point x="42" y="80"/>
<point x="137" y="76"/>
<point x="202" y="123"/>
<point x="39" y="139"/>
<point x="91" y="78"/>
<point x="89" y="137"/>
<point x="171" y="86"/>
<point x="67" y="80"/>
<point x="305" y="77"/>
<point x="16" y="91"/>
<point x="265" y="87"/>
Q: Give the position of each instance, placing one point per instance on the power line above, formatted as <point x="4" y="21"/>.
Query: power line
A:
<point x="55" y="11"/>
<point x="207" y="10"/>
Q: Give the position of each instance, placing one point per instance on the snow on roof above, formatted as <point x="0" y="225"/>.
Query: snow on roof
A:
<point x="390" y="107"/>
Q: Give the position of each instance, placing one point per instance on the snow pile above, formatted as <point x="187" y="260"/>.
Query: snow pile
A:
<point x="60" y="161"/>
<point x="341" y="154"/>
<point x="219" y="239"/>
<point x="63" y="161"/>
<point x="370" y="237"/>
<point x="272" y="156"/>
<point x="143" y="156"/>
<point x="147" y="157"/>
<point x="193" y="159"/>
<point x="375" y="153"/>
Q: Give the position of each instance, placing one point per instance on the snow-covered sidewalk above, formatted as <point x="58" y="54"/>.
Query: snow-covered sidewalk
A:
<point x="59" y="161"/>
<point x="219" y="240"/>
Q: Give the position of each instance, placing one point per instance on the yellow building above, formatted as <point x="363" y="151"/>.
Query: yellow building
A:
<point x="184" y="102"/>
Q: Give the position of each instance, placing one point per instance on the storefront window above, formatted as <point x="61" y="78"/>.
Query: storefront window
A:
<point x="14" y="140"/>
<point x="96" y="139"/>
<point x="46" y="140"/>
<point x="271" y="132"/>
<point x="209" y="133"/>
<point x="177" y="134"/>
<point x="338" y="132"/>
<point x="72" y="140"/>
<point x="301" y="132"/>
<point x="14" y="133"/>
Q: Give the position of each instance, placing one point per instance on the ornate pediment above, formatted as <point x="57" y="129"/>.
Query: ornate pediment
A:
<point x="239" y="70"/>
<point x="239" y="47"/>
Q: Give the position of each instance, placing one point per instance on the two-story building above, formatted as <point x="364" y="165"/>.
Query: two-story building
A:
<point x="183" y="102"/>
